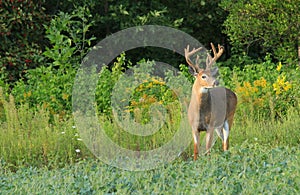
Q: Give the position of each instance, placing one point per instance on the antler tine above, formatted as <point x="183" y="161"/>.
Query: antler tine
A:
<point x="188" y="53"/>
<point x="197" y="60"/>
<point x="209" y="59"/>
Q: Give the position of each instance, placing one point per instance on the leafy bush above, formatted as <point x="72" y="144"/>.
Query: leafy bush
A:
<point x="134" y="94"/>
<point x="67" y="35"/>
<point x="106" y="82"/>
<point x="260" y="26"/>
<point x="51" y="85"/>
<point x="265" y="89"/>
<point x="21" y="38"/>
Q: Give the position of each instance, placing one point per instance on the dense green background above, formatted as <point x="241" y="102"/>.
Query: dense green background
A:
<point x="251" y="28"/>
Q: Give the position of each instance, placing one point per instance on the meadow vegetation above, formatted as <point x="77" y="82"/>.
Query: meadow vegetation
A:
<point x="249" y="168"/>
<point x="43" y="152"/>
<point x="263" y="157"/>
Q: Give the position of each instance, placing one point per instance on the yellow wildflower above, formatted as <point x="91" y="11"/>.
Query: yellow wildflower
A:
<point x="45" y="105"/>
<point x="53" y="99"/>
<point x="261" y="82"/>
<point x="151" y="99"/>
<point x="65" y="96"/>
<point x="281" y="85"/>
<point x="134" y="103"/>
<point x="287" y="86"/>
<point x="27" y="94"/>
<point x="150" y="85"/>
<point x="278" y="68"/>
<point x="144" y="97"/>
<point x="247" y="84"/>
<point x="254" y="89"/>
<point x="158" y="81"/>
<point x="276" y="88"/>
<point x="259" y="101"/>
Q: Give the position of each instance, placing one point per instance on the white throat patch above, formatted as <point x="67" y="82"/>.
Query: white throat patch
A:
<point x="204" y="89"/>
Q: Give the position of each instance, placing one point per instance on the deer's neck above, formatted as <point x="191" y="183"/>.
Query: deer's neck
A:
<point x="200" y="95"/>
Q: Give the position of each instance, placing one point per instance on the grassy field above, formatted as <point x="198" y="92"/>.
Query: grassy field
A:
<point x="41" y="153"/>
<point x="264" y="158"/>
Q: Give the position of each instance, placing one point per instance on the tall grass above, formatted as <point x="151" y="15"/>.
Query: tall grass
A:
<point x="267" y="132"/>
<point x="28" y="137"/>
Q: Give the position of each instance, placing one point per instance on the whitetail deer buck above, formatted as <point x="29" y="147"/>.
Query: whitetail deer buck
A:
<point x="211" y="108"/>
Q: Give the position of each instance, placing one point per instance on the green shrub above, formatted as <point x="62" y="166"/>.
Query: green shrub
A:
<point x="21" y="38"/>
<point x="261" y="26"/>
<point x="50" y="85"/>
<point x="106" y="82"/>
<point x="265" y="90"/>
<point x="137" y="93"/>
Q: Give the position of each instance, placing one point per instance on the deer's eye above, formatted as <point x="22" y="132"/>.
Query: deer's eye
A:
<point x="204" y="76"/>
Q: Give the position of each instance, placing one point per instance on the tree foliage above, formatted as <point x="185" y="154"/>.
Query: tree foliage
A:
<point x="29" y="39"/>
<point x="21" y="37"/>
<point x="258" y="27"/>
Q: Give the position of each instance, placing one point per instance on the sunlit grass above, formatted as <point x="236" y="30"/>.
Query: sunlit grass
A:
<point x="27" y="138"/>
<point x="268" y="132"/>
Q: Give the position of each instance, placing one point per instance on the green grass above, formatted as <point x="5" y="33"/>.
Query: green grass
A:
<point x="38" y="156"/>
<point x="27" y="138"/>
<point x="284" y="132"/>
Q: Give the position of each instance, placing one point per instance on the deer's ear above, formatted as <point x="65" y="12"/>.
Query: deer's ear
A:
<point x="215" y="72"/>
<point x="192" y="71"/>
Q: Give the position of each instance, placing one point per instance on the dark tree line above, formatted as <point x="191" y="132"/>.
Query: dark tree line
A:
<point x="246" y="27"/>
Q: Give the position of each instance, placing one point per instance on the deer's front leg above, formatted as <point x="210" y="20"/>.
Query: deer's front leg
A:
<point x="226" y="145"/>
<point x="196" y="143"/>
<point x="226" y="136"/>
<point x="209" y="138"/>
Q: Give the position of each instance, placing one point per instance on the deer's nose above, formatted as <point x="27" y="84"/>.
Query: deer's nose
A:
<point x="216" y="83"/>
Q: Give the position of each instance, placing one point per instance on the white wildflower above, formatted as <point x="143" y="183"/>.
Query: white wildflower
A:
<point x="77" y="150"/>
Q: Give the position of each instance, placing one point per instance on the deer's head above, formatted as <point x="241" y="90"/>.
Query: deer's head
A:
<point x="205" y="78"/>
